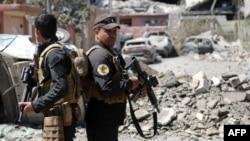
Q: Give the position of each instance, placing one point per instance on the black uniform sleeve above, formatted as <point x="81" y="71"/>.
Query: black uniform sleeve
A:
<point x="58" y="67"/>
<point x="103" y="69"/>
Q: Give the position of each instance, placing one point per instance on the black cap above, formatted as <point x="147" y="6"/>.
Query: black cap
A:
<point x="105" y="21"/>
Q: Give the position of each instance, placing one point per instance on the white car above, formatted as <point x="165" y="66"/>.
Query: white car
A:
<point x="141" y="48"/>
<point x="163" y="43"/>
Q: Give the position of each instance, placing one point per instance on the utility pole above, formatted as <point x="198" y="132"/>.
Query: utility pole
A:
<point x="48" y="8"/>
<point x="212" y="13"/>
<point x="238" y="17"/>
<point x="117" y="42"/>
<point x="110" y="6"/>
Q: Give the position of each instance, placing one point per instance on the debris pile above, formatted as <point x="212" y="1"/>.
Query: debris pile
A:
<point x="143" y="7"/>
<point x="194" y="106"/>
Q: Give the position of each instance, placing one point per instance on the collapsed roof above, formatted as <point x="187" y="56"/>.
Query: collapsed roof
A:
<point x="210" y="7"/>
<point x="185" y="7"/>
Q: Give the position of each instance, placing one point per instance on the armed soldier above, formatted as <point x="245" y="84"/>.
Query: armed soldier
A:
<point x="55" y="89"/>
<point x="107" y="103"/>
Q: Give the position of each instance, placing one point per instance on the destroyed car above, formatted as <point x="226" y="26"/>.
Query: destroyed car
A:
<point x="141" y="48"/>
<point x="16" y="52"/>
<point x="200" y="44"/>
<point x="163" y="43"/>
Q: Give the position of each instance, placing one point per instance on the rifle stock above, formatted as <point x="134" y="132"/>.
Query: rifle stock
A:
<point x="148" y="82"/>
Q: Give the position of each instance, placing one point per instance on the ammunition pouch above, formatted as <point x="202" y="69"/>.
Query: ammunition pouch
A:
<point x="53" y="129"/>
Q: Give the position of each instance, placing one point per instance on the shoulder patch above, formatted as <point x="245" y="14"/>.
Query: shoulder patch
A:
<point x="103" y="69"/>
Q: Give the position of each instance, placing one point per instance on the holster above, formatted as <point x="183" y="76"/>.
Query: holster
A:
<point x="66" y="113"/>
<point x="77" y="111"/>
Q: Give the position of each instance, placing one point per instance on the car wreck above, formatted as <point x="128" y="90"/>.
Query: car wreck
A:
<point x="163" y="43"/>
<point x="141" y="48"/>
<point x="201" y="44"/>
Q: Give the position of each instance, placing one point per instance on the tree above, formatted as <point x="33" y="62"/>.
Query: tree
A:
<point x="68" y="12"/>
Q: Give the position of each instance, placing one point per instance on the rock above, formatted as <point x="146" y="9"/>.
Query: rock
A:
<point x="234" y="96"/>
<point x="166" y="116"/>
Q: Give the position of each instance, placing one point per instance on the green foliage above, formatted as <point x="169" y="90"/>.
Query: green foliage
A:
<point x="68" y="12"/>
<point x="71" y="14"/>
<point x="34" y="3"/>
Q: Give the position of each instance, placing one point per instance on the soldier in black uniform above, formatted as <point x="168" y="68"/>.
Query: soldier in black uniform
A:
<point x="107" y="104"/>
<point x="57" y="66"/>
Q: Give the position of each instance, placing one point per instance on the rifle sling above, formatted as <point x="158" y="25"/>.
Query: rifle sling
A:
<point x="47" y="77"/>
<point x="136" y="123"/>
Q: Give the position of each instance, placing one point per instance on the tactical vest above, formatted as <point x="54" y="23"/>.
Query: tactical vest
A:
<point x="71" y="96"/>
<point x="117" y="76"/>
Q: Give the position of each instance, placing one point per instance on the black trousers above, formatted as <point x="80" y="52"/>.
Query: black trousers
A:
<point x="100" y="132"/>
<point x="69" y="131"/>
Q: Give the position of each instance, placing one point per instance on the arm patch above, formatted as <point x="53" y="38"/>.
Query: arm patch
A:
<point x="103" y="69"/>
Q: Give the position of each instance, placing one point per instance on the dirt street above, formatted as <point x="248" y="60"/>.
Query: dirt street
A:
<point x="192" y="64"/>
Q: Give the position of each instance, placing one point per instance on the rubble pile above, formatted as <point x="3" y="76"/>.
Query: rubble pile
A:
<point x="193" y="106"/>
<point x="143" y="7"/>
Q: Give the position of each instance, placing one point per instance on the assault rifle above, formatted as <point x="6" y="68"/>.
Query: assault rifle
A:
<point x="27" y="78"/>
<point x="148" y="81"/>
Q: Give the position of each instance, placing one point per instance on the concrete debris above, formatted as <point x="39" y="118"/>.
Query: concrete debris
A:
<point x="202" y="82"/>
<point x="143" y="7"/>
<point x="200" y="107"/>
<point x="166" y="116"/>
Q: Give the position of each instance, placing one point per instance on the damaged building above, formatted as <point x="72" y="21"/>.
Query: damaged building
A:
<point x="211" y="7"/>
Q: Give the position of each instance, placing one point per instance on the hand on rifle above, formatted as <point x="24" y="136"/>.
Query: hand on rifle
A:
<point x="135" y="83"/>
<point x="143" y="92"/>
<point x="27" y="107"/>
<point x="138" y="84"/>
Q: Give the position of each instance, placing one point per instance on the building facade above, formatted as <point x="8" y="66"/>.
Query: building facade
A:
<point x="15" y="18"/>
